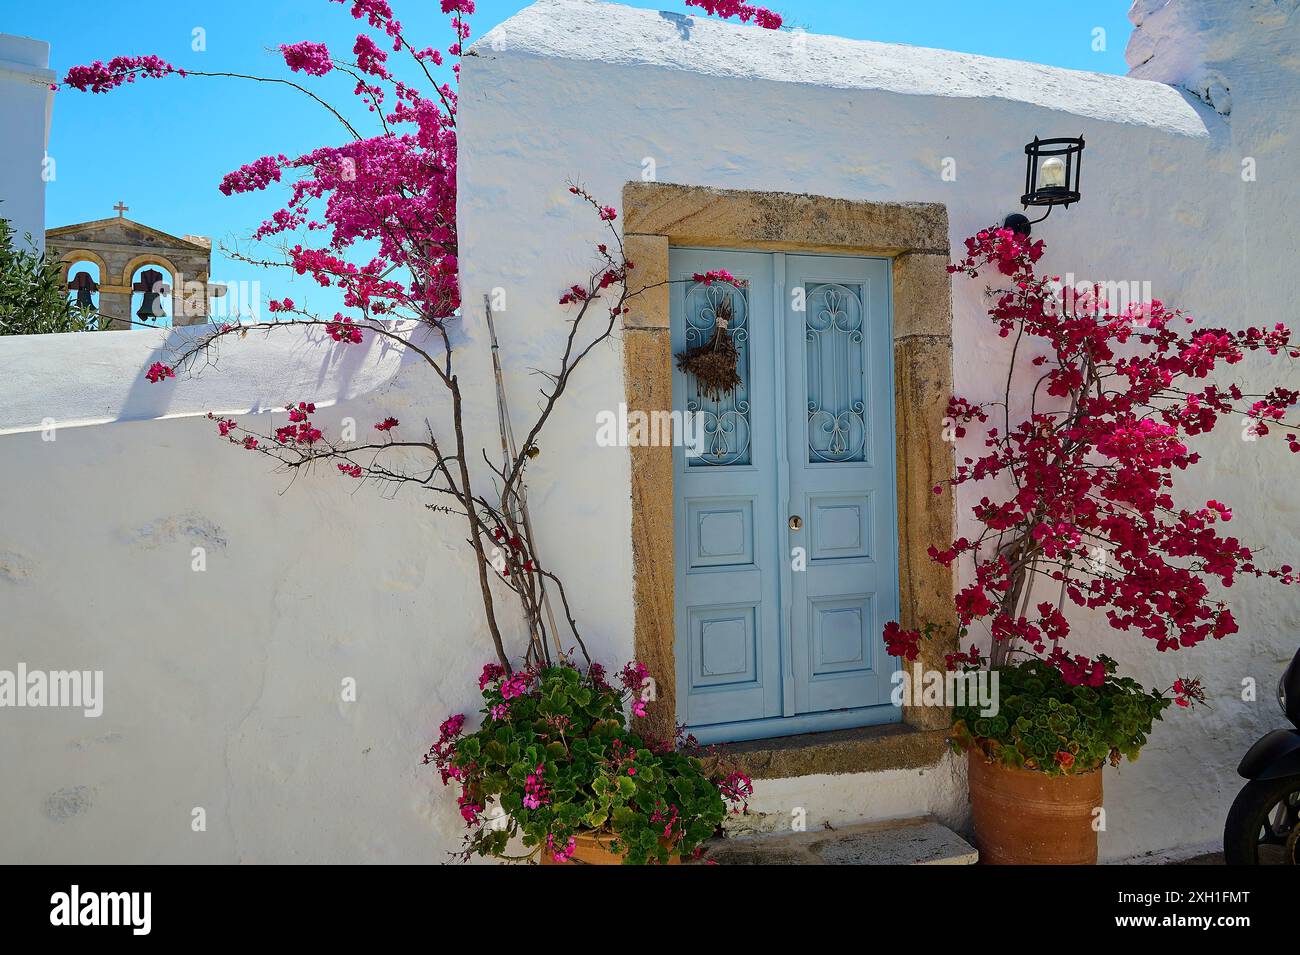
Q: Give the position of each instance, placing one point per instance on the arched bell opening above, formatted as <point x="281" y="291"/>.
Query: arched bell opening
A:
<point x="83" y="278"/>
<point x="152" y="287"/>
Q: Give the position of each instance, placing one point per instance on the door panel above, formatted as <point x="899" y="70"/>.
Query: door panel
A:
<point x="841" y="453"/>
<point x="728" y="631"/>
<point x="769" y="645"/>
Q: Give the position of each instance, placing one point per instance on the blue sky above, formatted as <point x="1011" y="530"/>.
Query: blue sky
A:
<point x="162" y="146"/>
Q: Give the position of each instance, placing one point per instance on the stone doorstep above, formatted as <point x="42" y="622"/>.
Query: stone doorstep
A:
<point x="868" y="749"/>
<point x="917" y="841"/>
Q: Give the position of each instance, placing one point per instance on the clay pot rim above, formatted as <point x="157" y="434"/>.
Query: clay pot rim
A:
<point x="990" y="761"/>
<point x="598" y="840"/>
<point x="602" y="836"/>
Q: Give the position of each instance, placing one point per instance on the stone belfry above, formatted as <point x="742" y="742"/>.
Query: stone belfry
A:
<point x="177" y="270"/>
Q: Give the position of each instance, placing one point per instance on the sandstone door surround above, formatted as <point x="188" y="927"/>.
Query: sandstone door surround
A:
<point x="915" y="237"/>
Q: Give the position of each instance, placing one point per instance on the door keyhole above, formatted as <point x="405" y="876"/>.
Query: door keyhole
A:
<point x="796" y="522"/>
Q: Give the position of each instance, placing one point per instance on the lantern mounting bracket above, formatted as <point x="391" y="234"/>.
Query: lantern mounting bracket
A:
<point x="1022" y="224"/>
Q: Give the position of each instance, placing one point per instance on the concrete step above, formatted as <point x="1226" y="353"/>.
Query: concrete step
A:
<point x="917" y="841"/>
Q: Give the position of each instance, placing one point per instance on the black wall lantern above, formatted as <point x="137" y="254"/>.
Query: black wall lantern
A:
<point x="1052" y="168"/>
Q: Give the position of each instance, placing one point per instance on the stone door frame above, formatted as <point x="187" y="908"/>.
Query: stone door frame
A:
<point x="914" y="236"/>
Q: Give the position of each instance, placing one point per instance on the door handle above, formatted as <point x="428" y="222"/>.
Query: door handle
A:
<point x="795" y="522"/>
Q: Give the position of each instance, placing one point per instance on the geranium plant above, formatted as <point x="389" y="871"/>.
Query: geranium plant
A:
<point x="1077" y="509"/>
<point x="555" y="757"/>
<point x="1045" y="723"/>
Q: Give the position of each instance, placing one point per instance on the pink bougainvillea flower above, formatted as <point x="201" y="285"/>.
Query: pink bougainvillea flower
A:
<point x="100" y="77"/>
<point x="902" y="643"/>
<point x="307" y="57"/>
<point x="252" y="177"/>
<point x="743" y="11"/>
<point x="159" y="372"/>
<point x="300" y="411"/>
<point x="715" y="275"/>
<point x="343" y="330"/>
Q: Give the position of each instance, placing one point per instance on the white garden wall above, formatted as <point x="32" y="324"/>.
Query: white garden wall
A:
<point x="223" y="686"/>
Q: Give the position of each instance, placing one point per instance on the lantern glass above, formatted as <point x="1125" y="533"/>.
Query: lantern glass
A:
<point x="1051" y="174"/>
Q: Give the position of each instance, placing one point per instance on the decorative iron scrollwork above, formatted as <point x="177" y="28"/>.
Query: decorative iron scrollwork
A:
<point x="836" y="354"/>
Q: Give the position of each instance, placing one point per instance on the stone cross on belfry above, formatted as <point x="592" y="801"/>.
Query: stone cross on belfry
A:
<point x="121" y="209"/>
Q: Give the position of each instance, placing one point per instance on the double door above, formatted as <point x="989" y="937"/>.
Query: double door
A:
<point x="784" y="501"/>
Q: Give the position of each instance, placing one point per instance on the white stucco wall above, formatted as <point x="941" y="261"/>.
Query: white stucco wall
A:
<point x="26" y="102"/>
<point x="223" y="687"/>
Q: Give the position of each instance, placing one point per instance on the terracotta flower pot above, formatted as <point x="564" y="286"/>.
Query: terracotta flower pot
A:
<point x="1027" y="818"/>
<point x="592" y="848"/>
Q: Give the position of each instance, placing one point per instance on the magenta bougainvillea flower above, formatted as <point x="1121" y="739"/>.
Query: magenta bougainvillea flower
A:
<point x="159" y="372"/>
<point x="307" y="57"/>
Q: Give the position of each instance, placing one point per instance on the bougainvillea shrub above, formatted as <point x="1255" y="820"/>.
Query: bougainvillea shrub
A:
<point x="1076" y="508"/>
<point x="373" y="216"/>
<point x="556" y="759"/>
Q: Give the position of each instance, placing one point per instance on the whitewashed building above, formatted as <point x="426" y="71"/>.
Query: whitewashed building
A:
<point x="793" y="154"/>
<point x="26" y="104"/>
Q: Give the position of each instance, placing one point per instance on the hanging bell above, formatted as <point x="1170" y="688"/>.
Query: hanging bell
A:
<point x="151" y="288"/>
<point x="85" y="287"/>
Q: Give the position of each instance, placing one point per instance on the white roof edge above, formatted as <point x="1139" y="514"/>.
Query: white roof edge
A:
<point x="612" y="33"/>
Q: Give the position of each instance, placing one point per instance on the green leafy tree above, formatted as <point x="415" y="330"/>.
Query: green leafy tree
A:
<point x="33" y="297"/>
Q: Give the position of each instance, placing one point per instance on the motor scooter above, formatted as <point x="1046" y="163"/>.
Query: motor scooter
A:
<point x="1263" y="826"/>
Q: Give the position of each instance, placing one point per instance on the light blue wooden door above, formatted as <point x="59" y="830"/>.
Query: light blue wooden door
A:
<point x="786" y="561"/>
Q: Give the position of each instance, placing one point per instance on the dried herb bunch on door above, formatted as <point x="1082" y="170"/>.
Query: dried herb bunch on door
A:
<point x="714" y="362"/>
